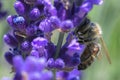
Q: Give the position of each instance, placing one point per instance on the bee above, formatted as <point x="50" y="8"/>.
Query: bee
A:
<point x="90" y="34"/>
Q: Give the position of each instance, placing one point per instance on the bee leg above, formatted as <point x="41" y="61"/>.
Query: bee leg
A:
<point x="82" y="66"/>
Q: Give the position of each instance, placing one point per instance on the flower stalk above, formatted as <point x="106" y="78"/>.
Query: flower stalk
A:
<point x="59" y="44"/>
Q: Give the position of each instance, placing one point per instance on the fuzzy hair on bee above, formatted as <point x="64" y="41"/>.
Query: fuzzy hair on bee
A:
<point x="90" y="34"/>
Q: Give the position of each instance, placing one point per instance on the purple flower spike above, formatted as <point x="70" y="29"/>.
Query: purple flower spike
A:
<point x="39" y="42"/>
<point x="33" y="27"/>
<point x="19" y="7"/>
<point x="34" y="14"/>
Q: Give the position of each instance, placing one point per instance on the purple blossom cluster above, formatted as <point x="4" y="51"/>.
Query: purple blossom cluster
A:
<point x="31" y="32"/>
<point x="31" y="69"/>
<point x="34" y="69"/>
<point x="2" y="12"/>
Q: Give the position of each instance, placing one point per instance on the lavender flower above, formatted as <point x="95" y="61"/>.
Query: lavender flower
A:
<point x="32" y="30"/>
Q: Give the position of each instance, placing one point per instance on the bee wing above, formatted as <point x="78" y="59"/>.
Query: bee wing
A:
<point x="105" y="49"/>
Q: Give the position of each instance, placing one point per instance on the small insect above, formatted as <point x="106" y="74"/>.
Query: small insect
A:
<point x="18" y="20"/>
<point x="90" y="34"/>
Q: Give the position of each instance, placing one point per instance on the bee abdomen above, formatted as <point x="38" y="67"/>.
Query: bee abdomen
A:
<point x="86" y="64"/>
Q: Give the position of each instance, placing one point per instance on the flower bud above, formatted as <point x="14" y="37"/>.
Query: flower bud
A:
<point x="39" y="42"/>
<point x="25" y="46"/>
<point x="19" y="7"/>
<point x="59" y="64"/>
<point x="50" y="63"/>
<point x="10" y="20"/>
<point x="9" y="57"/>
<point x="10" y="40"/>
<point x="67" y="25"/>
<point x="34" y="14"/>
<point x="55" y="22"/>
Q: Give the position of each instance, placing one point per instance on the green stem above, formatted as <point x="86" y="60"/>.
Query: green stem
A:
<point x="53" y="2"/>
<point x="54" y="74"/>
<point x="59" y="44"/>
